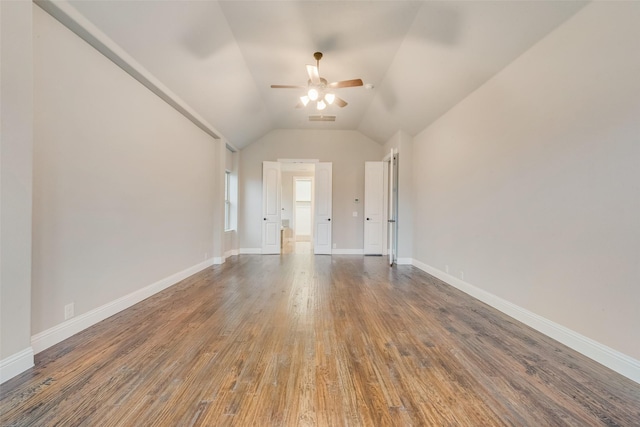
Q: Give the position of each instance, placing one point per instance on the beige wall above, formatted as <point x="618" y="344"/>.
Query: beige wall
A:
<point x="347" y="150"/>
<point x="530" y="186"/>
<point x="126" y="190"/>
<point x="16" y="145"/>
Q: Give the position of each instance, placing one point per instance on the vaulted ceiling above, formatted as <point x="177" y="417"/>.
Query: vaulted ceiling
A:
<point x="220" y="57"/>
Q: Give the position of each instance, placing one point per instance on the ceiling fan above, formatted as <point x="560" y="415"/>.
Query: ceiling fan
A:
<point x="318" y="89"/>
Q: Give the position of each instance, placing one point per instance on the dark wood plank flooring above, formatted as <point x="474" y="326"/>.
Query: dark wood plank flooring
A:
<point x="298" y="340"/>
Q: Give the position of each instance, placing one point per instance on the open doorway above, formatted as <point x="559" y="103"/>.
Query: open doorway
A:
<point x="278" y="210"/>
<point x="297" y="207"/>
<point x="302" y="213"/>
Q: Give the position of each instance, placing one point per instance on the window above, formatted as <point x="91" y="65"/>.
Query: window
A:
<point x="227" y="200"/>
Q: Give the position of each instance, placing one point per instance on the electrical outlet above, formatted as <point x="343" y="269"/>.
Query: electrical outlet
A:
<point x="335" y="246"/>
<point x="68" y="311"/>
<point x="462" y="275"/>
<point x="446" y="268"/>
<point x="355" y="213"/>
<point x="206" y="256"/>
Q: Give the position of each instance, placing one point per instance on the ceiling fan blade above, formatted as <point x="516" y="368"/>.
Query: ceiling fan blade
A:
<point x="340" y="102"/>
<point x="314" y="76"/>
<point x="345" y="83"/>
<point x="287" y="87"/>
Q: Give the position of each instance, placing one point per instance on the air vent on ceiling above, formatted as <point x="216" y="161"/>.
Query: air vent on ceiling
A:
<point x="322" y="118"/>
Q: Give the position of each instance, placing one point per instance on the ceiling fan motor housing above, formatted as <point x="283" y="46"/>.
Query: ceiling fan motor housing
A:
<point x="317" y="87"/>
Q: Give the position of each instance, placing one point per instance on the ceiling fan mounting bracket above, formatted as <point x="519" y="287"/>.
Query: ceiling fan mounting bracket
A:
<point x="317" y="56"/>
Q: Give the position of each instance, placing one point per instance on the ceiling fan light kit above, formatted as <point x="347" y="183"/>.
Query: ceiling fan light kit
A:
<point x="318" y="94"/>
<point x="317" y="88"/>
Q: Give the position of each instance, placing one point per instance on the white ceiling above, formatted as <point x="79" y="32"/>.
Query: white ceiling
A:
<point x="220" y="57"/>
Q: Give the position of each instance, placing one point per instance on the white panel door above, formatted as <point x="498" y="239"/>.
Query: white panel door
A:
<point x="322" y="217"/>
<point x="271" y="200"/>
<point x="374" y="226"/>
<point x="393" y="199"/>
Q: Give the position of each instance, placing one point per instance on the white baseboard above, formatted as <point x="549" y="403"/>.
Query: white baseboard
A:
<point x="612" y="359"/>
<point x="16" y="364"/>
<point x="404" y="261"/>
<point x="347" y="251"/>
<point x="250" y="251"/>
<point x="229" y="253"/>
<point x="258" y="251"/>
<point x="45" y="339"/>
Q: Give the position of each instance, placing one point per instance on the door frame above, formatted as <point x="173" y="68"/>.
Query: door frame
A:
<point x="391" y="205"/>
<point x="313" y="195"/>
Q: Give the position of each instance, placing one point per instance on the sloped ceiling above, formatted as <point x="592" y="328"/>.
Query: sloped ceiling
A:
<point x="220" y="57"/>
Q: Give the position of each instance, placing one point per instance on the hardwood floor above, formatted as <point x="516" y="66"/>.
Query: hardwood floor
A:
<point x="301" y="340"/>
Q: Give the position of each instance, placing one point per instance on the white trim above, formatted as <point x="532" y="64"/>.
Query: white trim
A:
<point x="347" y="251"/>
<point x="16" y="364"/>
<point x="45" y="339"/>
<point x="219" y="260"/>
<point x="298" y="160"/>
<point x="387" y="158"/>
<point x="229" y="253"/>
<point x="404" y="261"/>
<point x="612" y="359"/>
<point x="250" y="251"/>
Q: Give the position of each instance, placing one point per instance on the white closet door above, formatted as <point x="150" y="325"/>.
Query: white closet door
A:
<point x="393" y="199"/>
<point x="322" y="218"/>
<point x="271" y="200"/>
<point x="374" y="226"/>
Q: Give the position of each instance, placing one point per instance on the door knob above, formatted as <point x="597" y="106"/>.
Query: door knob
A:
<point x="265" y="219"/>
<point x="329" y="219"/>
<point x="367" y="219"/>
